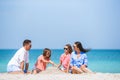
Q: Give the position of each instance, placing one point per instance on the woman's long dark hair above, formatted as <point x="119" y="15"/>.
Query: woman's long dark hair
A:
<point x="79" y="45"/>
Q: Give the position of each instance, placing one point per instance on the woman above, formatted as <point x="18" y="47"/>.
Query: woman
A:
<point x="65" y="58"/>
<point x="79" y="60"/>
<point x="42" y="61"/>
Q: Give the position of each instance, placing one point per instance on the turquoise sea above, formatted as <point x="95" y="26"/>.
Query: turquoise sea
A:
<point x="106" y="61"/>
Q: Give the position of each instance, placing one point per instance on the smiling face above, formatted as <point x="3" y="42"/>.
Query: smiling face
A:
<point x="76" y="48"/>
<point x="48" y="54"/>
<point x="66" y="49"/>
<point x="28" y="46"/>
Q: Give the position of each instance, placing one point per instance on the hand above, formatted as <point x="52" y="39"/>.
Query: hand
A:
<point x="55" y="65"/>
<point x="25" y="71"/>
<point x="51" y="62"/>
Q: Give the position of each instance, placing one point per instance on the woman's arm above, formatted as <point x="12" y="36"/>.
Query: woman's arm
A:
<point x="71" y="61"/>
<point x="85" y="60"/>
<point x="61" y="57"/>
<point x="68" y="67"/>
<point x="84" y="66"/>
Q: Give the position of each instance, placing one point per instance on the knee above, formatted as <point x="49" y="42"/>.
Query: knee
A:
<point x="73" y="68"/>
<point x="83" y="67"/>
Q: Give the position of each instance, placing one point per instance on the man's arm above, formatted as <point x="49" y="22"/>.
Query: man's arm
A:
<point x="26" y="66"/>
<point x="22" y="65"/>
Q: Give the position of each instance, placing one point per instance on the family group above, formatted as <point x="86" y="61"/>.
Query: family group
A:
<point x="71" y="61"/>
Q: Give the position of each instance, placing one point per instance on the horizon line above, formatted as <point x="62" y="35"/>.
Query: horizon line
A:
<point x="54" y="49"/>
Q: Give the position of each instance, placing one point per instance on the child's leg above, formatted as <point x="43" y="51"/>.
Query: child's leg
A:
<point x="34" y="71"/>
<point x="63" y="70"/>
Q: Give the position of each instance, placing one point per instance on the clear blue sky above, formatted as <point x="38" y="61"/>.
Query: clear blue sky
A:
<point x="54" y="23"/>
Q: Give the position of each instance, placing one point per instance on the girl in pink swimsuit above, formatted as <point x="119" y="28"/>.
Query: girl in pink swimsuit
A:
<point x="65" y="58"/>
<point x="42" y="61"/>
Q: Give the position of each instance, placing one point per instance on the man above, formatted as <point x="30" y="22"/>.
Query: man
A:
<point x="20" y="61"/>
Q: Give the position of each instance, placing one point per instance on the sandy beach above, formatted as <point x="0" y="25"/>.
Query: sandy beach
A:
<point x="53" y="74"/>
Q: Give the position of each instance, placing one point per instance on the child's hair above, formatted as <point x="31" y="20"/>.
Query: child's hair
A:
<point x="69" y="47"/>
<point x="45" y="51"/>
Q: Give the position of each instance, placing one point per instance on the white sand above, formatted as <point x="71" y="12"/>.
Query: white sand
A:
<point x="54" y="74"/>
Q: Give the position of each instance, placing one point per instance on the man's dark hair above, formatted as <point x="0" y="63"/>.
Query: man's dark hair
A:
<point x="26" y="42"/>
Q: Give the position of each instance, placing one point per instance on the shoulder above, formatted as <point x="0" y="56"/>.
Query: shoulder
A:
<point x="84" y="54"/>
<point x="68" y="56"/>
<point x="40" y="57"/>
<point x="73" y="53"/>
<point x="22" y="50"/>
<point x="62" y="55"/>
